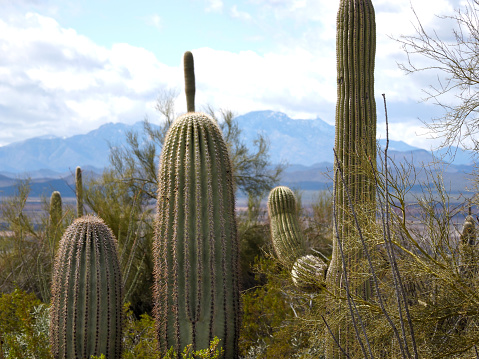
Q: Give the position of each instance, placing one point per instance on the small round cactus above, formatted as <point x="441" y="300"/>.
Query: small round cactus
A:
<point x="309" y="273"/>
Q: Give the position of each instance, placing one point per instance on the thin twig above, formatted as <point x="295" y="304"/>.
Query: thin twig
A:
<point x="393" y="257"/>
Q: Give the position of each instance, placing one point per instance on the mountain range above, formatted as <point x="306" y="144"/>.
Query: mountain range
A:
<point x="305" y="145"/>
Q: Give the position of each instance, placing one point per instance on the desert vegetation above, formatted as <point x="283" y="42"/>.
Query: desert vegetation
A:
<point x="155" y="261"/>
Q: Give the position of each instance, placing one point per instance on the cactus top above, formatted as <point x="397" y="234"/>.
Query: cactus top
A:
<point x="281" y="200"/>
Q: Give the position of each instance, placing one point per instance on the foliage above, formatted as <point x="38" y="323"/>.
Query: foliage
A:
<point x="27" y="243"/>
<point x="138" y="336"/>
<point x="271" y="314"/>
<point x="254" y="240"/>
<point x="24" y="327"/>
<point x="130" y="217"/>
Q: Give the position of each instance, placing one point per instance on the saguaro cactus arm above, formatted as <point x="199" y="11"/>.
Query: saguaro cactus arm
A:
<point x="79" y="191"/>
<point x="190" y="86"/>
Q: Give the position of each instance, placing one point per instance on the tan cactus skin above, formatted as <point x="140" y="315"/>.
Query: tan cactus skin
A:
<point x="79" y="191"/>
<point x="355" y="139"/>
<point x="196" y="291"/>
<point x="86" y="305"/>
<point x="286" y="235"/>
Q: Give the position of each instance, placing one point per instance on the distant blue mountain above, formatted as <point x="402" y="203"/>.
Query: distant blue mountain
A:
<point x="301" y="142"/>
<point x="64" y="154"/>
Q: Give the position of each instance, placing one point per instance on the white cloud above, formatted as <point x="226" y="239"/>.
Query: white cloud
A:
<point x="237" y="14"/>
<point x="156" y="21"/>
<point x="214" y="5"/>
<point x="55" y="81"/>
<point x="247" y="81"/>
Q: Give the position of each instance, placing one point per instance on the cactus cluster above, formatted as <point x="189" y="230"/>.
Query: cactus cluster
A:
<point x="307" y="271"/>
<point x="196" y="291"/>
<point x="86" y="305"/>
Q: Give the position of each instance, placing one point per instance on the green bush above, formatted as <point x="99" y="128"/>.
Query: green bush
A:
<point x="24" y="326"/>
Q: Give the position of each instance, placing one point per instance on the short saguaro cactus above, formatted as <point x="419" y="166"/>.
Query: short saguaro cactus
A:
<point x="86" y="305"/>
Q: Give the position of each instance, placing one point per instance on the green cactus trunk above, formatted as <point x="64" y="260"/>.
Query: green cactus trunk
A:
<point x="79" y="191"/>
<point x="196" y="291"/>
<point x="286" y="235"/>
<point x="86" y="305"/>
<point x="55" y="227"/>
<point x="355" y="145"/>
<point x="56" y="212"/>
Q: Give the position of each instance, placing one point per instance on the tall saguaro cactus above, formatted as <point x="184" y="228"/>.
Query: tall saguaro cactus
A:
<point x="86" y="305"/>
<point x="196" y="290"/>
<point x="355" y="139"/>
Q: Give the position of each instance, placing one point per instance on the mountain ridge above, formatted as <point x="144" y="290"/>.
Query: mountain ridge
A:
<point x="292" y="141"/>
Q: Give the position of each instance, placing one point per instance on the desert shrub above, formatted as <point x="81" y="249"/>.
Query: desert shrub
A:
<point x="24" y="324"/>
<point x="28" y="243"/>
<point x="272" y="311"/>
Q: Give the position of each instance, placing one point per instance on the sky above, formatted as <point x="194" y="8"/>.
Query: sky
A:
<point x="67" y="67"/>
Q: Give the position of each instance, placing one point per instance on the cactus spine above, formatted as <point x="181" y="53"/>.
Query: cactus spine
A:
<point x="86" y="306"/>
<point x="196" y="289"/>
<point x="355" y="138"/>
<point x="288" y="241"/>
<point x="79" y="191"/>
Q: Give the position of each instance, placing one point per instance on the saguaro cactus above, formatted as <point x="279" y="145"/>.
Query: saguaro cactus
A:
<point x="86" y="306"/>
<point x="196" y="289"/>
<point x="79" y="191"/>
<point x="355" y="139"/>
<point x="288" y="241"/>
<point x="55" y="209"/>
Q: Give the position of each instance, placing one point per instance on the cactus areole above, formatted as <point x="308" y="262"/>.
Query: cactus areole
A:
<point x="86" y="306"/>
<point x="196" y="291"/>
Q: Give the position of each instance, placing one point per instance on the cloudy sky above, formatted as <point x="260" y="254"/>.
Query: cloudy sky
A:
<point x="66" y="67"/>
